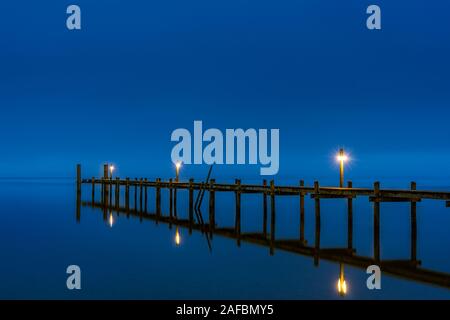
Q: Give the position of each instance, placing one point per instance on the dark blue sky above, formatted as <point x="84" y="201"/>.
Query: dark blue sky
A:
<point x="137" y="70"/>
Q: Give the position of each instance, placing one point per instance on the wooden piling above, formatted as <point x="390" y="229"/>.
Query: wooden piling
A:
<point x="317" y="215"/>
<point x="78" y="177"/>
<point x="265" y="210"/>
<point x="127" y="194"/>
<point x="105" y="185"/>
<point x="118" y="192"/>
<point x="78" y="205"/>
<point x="102" y="191"/>
<point x="272" y="217"/>
<point x="141" y="194"/>
<point x="376" y="222"/>
<point x="238" y="208"/>
<point x="158" y="197"/>
<point x="93" y="189"/>
<point x="175" y="197"/>
<point x="191" y="201"/>
<point x="302" y="214"/>
<point x="145" y="196"/>
<point x="110" y="190"/>
<point x="350" y="219"/>
<point x="413" y="226"/>
<point x="212" y="205"/>
<point x="135" y="194"/>
<point x="170" y="199"/>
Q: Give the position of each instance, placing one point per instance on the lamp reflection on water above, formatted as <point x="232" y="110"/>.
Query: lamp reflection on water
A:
<point x="111" y="220"/>
<point x="177" y="237"/>
<point x="342" y="284"/>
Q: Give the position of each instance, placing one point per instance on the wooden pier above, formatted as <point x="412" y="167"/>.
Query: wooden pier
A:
<point x="409" y="268"/>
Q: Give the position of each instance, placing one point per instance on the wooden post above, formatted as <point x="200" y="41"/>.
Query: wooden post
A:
<point x="413" y="226"/>
<point x="78" y="209"/>
<point x="93" y="190"/>
<point x="376" y="221"/>
<point x="350" y="219"/>
<point x="127" y="194"/>
<point x="141" y="193"/>
<point x="212" y="206"/>
<point x="175" y="189"/>
<point x="78" y="177"/>
<point x="265" y="210"/>
<point x="78" y="212"/>
<point x="302" y="214"/>
<point x="145" y="195"/>
<point x="135" y="194"/>
<point x="238" y="208"/>
<point x="170" y="199"/>
<point x="341" y="168"/>
<point x="110" y="190"/>
<point x="117" y="200"/>
<point x="272" y="217"/>
<point x="191" y="204"/>
<point x="317" y="214"/>
<point x="105" y="185"/>
<point x="158" y="197"/>
<point x="102" y="191"/>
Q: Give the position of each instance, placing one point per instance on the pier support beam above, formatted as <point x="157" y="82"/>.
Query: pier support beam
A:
<point x="317" y="215"/>
<point x="170" y="199"/>
<point x="78" y="177"/>
<point x="265" y="210"/>
<point x="135" y="194"/>
<point x="191" y="204"/>
<point x="272" y="217"/>
<point x="413" y="226"/>
<point x="145" y="196"/>
<point x="350" y="219"/>
<point x="376" y="222"/>
<point x="141" y="194"/>
<point x="302" y="214"/>
<point x="238" y="209"/>
<point x="93" y="189"/>
<point x="78" y="212"/>
<point x="158" y="197"/>
<point x="212" y="206"/>
<point x="117" y="197"/>
<point x="127" y="195"/>
<point x="175" y="198"/>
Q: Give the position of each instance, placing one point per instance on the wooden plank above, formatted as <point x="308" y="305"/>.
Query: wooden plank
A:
<point x="393" y="199"/>
<point x="331" y="196"/>
<point x="325" y="192"/>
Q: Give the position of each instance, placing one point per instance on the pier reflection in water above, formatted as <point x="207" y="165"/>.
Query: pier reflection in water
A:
<point x="191" y="220"/>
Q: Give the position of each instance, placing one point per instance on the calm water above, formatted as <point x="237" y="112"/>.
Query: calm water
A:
<point x="126" y="258"/>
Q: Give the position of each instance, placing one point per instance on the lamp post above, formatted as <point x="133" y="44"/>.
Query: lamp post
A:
<point x="342" y="158"/>
<point x="111" y="170"/>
